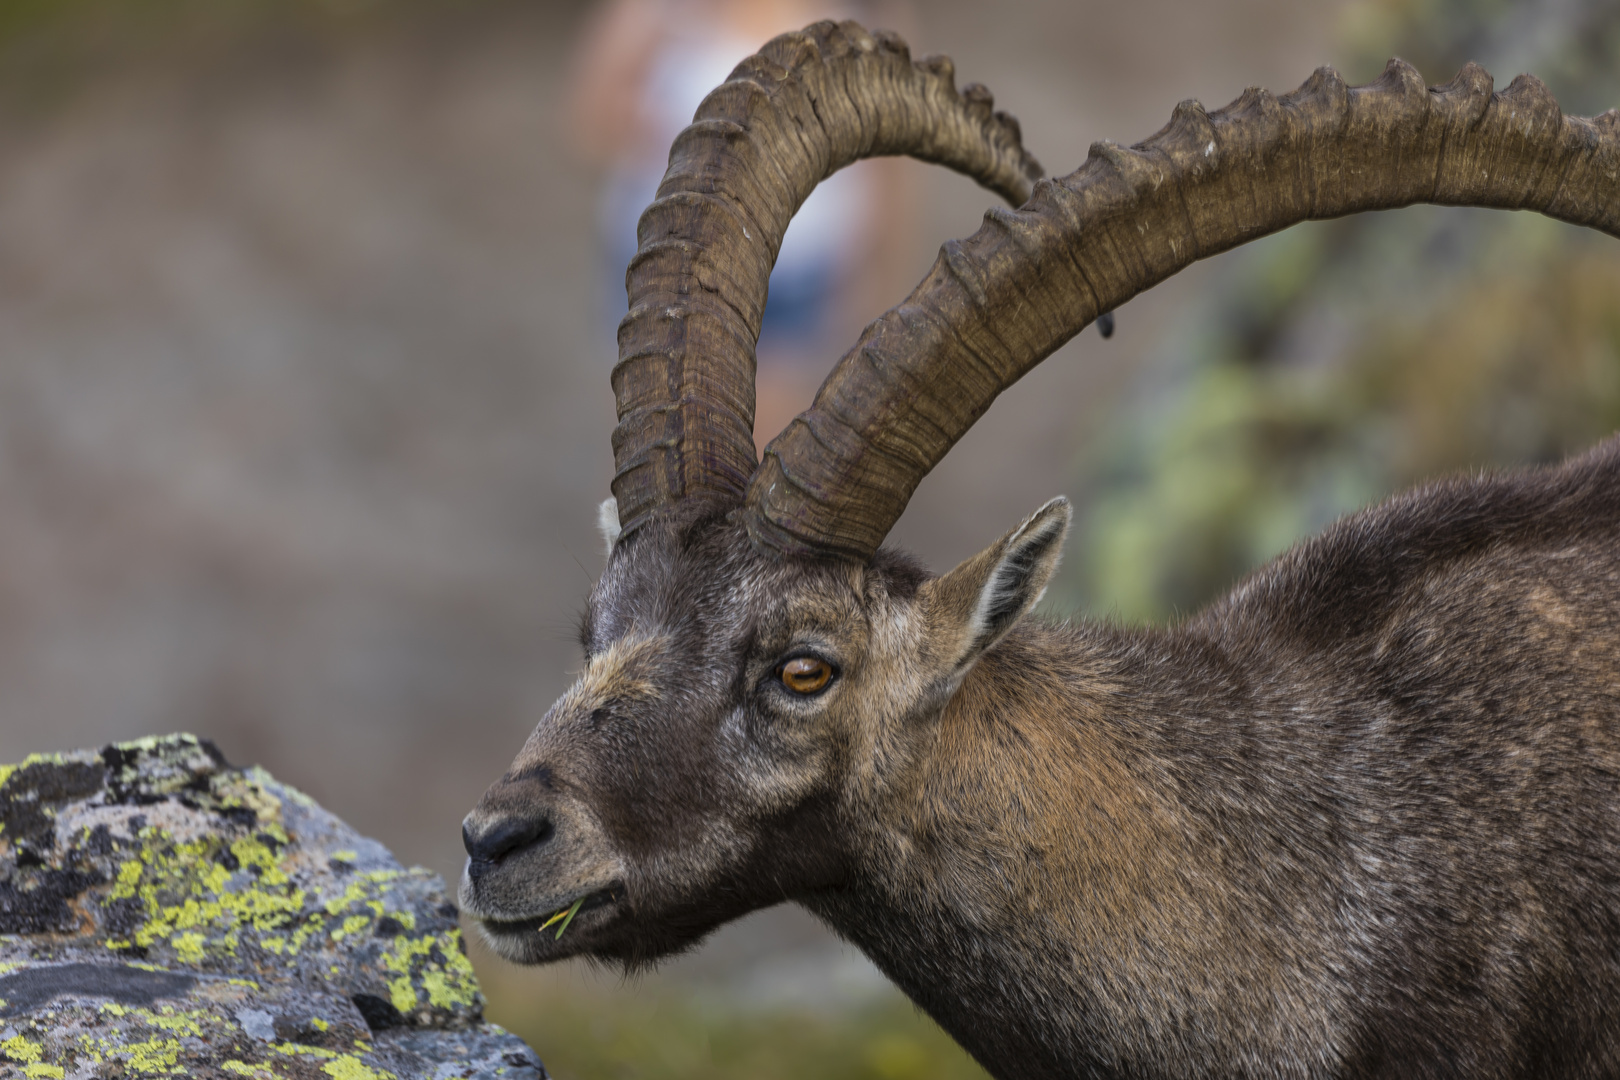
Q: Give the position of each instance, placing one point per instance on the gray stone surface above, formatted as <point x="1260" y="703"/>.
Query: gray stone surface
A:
<point x="164" y="914"/>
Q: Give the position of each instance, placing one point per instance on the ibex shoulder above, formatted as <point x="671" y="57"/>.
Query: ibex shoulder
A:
<point x="1451" y="544"/>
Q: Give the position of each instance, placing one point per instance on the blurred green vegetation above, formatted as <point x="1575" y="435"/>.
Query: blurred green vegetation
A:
<point x="661" y="1032"/>
<point x="1341" y="361"/>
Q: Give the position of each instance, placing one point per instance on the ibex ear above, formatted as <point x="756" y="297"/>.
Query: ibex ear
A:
<point x="973" y="606"/>
<point x="607" y="520"/>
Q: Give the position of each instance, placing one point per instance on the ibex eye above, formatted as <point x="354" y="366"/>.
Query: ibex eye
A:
<point x="806" y="674"/>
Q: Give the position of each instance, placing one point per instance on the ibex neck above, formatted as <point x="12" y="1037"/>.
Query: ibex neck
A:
<point x="1043" y="883"/>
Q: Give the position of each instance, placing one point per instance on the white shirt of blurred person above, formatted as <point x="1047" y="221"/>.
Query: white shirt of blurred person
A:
<point x="643" y="68"/>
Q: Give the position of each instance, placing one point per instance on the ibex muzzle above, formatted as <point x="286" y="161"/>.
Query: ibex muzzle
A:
<point x="1360" y="818"/>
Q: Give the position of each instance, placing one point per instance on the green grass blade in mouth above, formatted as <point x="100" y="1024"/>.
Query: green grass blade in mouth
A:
<point x="567" y="917"/>
<point x="563" y="914"/>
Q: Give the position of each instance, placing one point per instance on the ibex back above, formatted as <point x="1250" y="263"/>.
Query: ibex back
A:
<point x="1360" y="818"/>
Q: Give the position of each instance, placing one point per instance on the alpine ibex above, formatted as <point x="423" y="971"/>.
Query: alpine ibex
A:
<point x="1359" y="818"/>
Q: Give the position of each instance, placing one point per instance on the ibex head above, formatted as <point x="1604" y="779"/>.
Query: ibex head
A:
<point x="738" y="698"/>
<point x="761" y="680"/>
<point x="734" y="707"/>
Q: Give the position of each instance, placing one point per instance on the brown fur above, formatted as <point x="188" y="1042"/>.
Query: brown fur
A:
<point x="1360" y="818"/>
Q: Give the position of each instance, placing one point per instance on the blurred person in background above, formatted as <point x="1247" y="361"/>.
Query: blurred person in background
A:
<point x="642" y="67"/>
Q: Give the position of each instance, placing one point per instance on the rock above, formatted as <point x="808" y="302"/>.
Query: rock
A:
<point x="164" y="914"/>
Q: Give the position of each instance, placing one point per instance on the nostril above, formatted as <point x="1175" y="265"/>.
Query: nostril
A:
<point x="506" y="837"/>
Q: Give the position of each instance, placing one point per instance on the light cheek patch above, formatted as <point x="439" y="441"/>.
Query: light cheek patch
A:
<point x="616" y="674"/>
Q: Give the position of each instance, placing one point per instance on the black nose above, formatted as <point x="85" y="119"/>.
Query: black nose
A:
<point x="504" y="838"/>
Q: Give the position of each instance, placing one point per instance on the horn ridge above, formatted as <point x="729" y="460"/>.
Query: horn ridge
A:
<point x="1002" y="300"/>
<point x="807" y="104"/>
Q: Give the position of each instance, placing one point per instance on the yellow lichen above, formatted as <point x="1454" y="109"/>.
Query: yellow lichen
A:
<point x="359" y="891"/>
<point x="188" y="948"/>
<point x="188" y="1023"/>
<point x="201" y="897"/>
<point x="292" y="1049"/>
<point x="185" y="889"/>
<point x="402" y="994"/>
<point x="349" y="1067"/>
<point x="153" y="1055"/>
<point x="449" y="984"/>
<point x="20" y="1050"/>
<point x="91" y="1047"/>
<point x="253" y="795"/>
<point x="129" y="878"/>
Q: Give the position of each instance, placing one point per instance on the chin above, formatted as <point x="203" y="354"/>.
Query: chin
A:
<point x="603" y="931"/>
<point x="542" y="937"/>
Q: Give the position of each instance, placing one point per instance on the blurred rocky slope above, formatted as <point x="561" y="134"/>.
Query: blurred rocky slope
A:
<point x="162" y="913"/>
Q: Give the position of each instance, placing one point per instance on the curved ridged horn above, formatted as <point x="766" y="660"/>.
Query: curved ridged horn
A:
<point x="806" y="105"/>
<point x="837" y="478"/>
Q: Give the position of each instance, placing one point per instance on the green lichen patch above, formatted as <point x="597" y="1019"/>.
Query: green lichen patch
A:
<point x="431" y="971"/>
<point x="171" y="915"/>
<point x="194" y="1038"/>
<point x="199" y="896"/>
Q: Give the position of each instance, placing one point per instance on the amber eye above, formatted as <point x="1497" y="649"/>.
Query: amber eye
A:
<point x="806" y="674"/>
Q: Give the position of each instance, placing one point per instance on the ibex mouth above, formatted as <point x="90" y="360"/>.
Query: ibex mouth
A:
<point x="556" y="923"/>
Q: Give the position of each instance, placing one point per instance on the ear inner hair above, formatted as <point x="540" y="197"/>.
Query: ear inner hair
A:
<point x="1020" y="578"/>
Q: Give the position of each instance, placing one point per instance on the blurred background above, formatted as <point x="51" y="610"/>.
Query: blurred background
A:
<point x="306" y="314"/>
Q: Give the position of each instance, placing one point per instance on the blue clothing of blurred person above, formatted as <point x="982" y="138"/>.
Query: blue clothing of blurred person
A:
<point x="644" y="67"/>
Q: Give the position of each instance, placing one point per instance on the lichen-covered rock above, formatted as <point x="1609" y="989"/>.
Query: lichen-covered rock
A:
<point x="163" y="914"/>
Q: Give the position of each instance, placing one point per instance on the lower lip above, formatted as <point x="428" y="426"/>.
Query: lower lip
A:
<point x="594" y="901"/>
